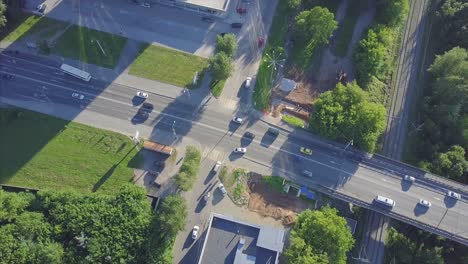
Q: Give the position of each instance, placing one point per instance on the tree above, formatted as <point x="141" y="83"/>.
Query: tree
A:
<point x="221" y="66"/>
<point x="316" y="25"/>
<point x="392" y="12"/>
<point x="3" y="10"/>
<point x="294" y="4"/>
<point x="226" y="44"/>
<point x="318" y="235"/>
<point x="346" y="114"/>
<point x="451" y="164"/>
<point x="172" y="215"/>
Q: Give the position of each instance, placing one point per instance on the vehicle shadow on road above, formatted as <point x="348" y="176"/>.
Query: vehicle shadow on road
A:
<point x="420" y="210"/>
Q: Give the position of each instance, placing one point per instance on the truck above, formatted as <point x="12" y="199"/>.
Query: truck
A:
<point x="157" y="147"/>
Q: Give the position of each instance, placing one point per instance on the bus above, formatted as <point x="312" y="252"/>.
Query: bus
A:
<point x="75" y="72"/>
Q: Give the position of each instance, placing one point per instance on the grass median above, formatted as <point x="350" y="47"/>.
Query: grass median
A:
<point x="168" y="66"/>
<point x="189" y="169"/>
<point x="90" y="46"/>
<point x="27" y="25"/>
<point x="293" y="121"/>
<point x="48" y="152"/>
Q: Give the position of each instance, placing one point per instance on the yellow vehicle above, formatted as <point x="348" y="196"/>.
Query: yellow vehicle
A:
<point x="306" y="151"/>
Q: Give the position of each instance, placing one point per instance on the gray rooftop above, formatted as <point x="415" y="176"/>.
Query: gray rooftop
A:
<point x="222" y="242"/>
<point x="220" y="5"/>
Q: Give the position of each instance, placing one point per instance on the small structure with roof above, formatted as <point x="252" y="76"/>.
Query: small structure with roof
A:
<point x="287" y="85"/>
<point x="232" y="241"/>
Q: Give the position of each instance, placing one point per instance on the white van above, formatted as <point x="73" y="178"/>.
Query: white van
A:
<point x="384" y="201"/>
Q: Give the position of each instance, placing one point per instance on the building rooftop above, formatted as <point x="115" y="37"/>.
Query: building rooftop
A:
<point x="220" y="5"/>
<point x="231" y="241"/>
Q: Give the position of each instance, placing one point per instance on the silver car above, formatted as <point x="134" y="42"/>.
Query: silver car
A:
<point x="78" y="96"/>
<point x="454" y="195"/>
<point x="409" y="178"/>
<point x="425" y="203"/>
<point x="240" y="150"/>
<point x="142" y="95"/>
<point x="237" y="120"/>
<point x="222" y="189"/>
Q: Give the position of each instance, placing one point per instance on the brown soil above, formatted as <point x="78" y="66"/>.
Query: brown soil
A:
<point x="268" y="202"/>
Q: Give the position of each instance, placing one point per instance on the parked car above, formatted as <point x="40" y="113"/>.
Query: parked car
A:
<point x="195" y="232"/>
<point x="240" y="150"/>
<point x="425" y="203"/>
<point x="237" y="120"/>
<point x="247" y="82"/>
<point x="217" y="166"/>
<point x="222" y="189"/>
<point x="454" y="195"/>
<point x="273" y="131"/>
<point x="78" y="96"/>
<point x="249" y="135"/>
<point x="307" y="173"/>
<point x="306" y="151"/>
<point x="206" y="197"/>
<point x="236" y="25"/>
<point x="142" y="95"/>
<point x="409" y="178"/>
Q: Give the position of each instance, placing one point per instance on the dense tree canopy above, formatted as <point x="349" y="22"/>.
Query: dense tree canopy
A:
<point x="313" y="28"/>
<point x="391" y="12"/>
<point x="319" y="237"/>
<point x="346" y="114"/>
<point x="451" y="164"/>
<point x="452" y="25"/>
<point x="221" y="66"/>
<point x="227" y="44"/>
<point x="67" y="227"/>
<point x="3" y="10"/>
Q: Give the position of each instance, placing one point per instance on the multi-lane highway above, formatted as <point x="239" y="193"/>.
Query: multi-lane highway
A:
<point x="39" y="85"/>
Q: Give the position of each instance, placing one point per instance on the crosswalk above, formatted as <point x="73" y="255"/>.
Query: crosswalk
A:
<point x="213" y="154"/>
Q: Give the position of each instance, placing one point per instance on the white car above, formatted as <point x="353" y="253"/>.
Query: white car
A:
<point x="409" y="178"/>
<point x="425" y="203"/>
<point x="78" y="96"/>
<point x="248" y="81"/>
<point x="237" y="120"/>
<point x="142" y="95"/>
<point x="222" y="189"/>
<point x="146" y="4"/>
<point x="307" y="173"/>
<point x="217" y="166"/>
<point x="454" y="195"/>
<point x="41" y="8"/>
<point x="240" y="150"/>
<point x="195" y="232"/>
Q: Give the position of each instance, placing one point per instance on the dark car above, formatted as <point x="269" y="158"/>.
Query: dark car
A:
<point x="8" y="77"/>
<point x="236" y="25"/>
<point x="249" y="135"/>
<point x="273" y="131"/>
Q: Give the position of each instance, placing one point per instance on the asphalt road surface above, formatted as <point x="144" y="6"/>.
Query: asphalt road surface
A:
<point x="343" y="174"/>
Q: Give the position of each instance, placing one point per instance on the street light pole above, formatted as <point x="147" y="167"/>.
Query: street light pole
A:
<point x="173" y="129"/>
<point x="350" y="143"/>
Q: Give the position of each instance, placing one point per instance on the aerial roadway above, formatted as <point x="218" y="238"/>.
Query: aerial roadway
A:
<point x="342" y="172"/>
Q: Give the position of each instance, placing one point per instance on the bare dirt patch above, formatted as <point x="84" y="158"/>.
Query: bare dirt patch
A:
<point x="268" y="202"/>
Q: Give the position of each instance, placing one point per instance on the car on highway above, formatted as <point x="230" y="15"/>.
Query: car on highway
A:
<point x="222" y="189"/>
<point x="247" y="82"/>
<point x="8" y="76"/>
<point x="381" y="200"/>
<point x="249" y="135"/>
<point x="206" y="197"/>
<point x="306" y="151"/>
<point x="240" y="150"/>
<point x="142" y="95"/>
<point x="409" y="178"/>
<point x="237" y="120"/>
<point x="236" y="25"/>
<point x="195" y="232"/>
<point x="217" y="166"/>
<point x="307" y="173"/>
<point x="78" y="96"/>
<point x="454" y="195"/>
<point x="41" y="8"/>
<point x="425" y="203"/>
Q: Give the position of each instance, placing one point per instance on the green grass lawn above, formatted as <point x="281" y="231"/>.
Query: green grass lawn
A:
<point x="39" y="151"/>
<point x="168" y="65"/>
<point x="345" y="32"/>
<point x="217" y="87"/>
<point x="275" y="182"/>
<point x="27" y="25"/>
<point x="293" y="121"/>
<point x="82" y="44"/>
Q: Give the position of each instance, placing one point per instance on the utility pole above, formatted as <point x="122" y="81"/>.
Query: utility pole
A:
<point x="173" y="129"/>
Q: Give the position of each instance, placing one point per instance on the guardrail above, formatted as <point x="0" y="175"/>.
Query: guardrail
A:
<point x="416" y="223"/>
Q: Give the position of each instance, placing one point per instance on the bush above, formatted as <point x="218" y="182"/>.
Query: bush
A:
<point x="294" y="4"/>
<point x="189" y="169"/>
<point x="217" y="87"/>
<point x="293" y="121"/>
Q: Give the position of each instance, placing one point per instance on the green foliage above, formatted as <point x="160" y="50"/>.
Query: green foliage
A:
<point x="189" y="169"/>
<point x="60" y="227"/>
<point x="403" y="250"/>
<point x="451" y="25"/>
<point x="312" y="28"/>
<point x="226" y="44"/>
<point x="217" y="87"/>
<point x="294" y="121"/>
<point x="275" y="182"/>
<point x="392" y="12"/>
<point x="451" y="164"/>
<point x="319" y="237"/>
<point x="293" y="4"/>
<point x="372" y="56"/>
<point x="221" y="66"/>
<point x="345" y="114"/>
